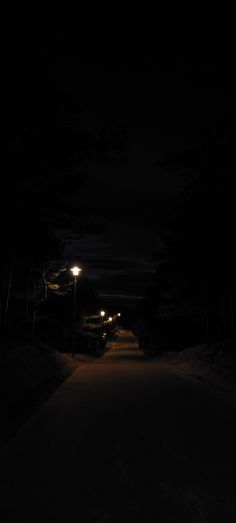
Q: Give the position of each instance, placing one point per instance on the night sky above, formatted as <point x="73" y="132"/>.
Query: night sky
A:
<point x="162" y="108"/>
<point x="154" y="103"/>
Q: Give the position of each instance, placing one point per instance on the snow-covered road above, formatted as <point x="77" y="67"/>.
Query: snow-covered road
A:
<point x="123" y="438"/>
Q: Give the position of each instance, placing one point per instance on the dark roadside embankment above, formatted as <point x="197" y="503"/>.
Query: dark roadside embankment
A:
<point x="29" y="372"/>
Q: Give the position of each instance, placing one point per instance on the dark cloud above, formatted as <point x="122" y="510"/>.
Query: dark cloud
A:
<point x="117" y="259"/>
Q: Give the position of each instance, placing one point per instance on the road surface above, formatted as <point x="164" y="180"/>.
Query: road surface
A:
<point x="124" y="438"/>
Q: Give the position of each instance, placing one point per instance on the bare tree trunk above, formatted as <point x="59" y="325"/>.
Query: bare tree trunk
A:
<point x="3" y="295"/>
<point x="35" y="309"/>
<point x="206" y="317"/>
<point x="45" y="286"/>
<point x="232" y="315"/>
<point x="28" y="296"/>
<point x="223" y="313"/>
<point x="9" y="286"/>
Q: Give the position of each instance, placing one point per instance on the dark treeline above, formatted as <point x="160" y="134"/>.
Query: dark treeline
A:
<point x="49" y="146"/>
<point x="35" y="184"/>
<point x="193" y="296"/>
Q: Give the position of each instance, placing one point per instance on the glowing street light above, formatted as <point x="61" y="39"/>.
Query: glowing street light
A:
<point x="110" y="318"/>
<point x="75" y="270"/>
<point x="119" y="314"/>
<point x="102" y="313"/>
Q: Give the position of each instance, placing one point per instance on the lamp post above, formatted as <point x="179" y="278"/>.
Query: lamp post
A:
<point x="118" y="315"/>
<point x="75" y="271"/>
<point x="102" y="314"/>
<point x="103" y="334"/>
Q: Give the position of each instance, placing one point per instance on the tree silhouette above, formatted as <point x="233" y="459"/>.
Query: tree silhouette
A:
<point x="199" y="252"/>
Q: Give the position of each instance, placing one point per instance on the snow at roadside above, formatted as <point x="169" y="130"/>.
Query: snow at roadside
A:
<point x="29" y="373"/>
<point x="214" y="364"/>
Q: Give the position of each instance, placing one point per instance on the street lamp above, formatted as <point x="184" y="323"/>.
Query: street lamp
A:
<point x="119" y="314"/>
<point x="75" y="271"/>
<point x="110" y="318"/>
<point x="102" y="313"/>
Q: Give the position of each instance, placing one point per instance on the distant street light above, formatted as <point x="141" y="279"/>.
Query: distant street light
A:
<point x="110" y="318"/>
<point x="102" y="313"/>
<point x="75" y="271"/>
<point x="119" y="314"/>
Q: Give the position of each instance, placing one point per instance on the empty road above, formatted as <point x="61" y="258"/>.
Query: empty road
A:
<point x="124" y="438"/>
